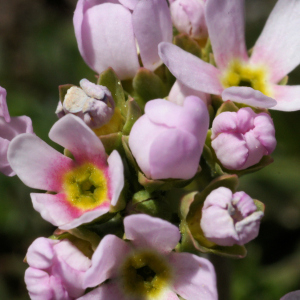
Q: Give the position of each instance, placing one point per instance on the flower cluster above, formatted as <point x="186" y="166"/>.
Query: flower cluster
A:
<point x="155" y="159"/>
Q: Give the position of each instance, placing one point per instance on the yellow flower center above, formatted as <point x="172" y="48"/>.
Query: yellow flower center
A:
<point x="242" y="74"/>
<point x="145" y="274"/>
<point x="86" y="186"/>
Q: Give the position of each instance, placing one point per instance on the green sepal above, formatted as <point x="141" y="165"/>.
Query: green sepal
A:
<point x="207" y="51"/>
<point x="227" y="106"/>
<point x="190" y="212"/>
<point x="128" y="153"/>
<point x="145" y="202"/>
<point x="68" y="153"/>
<point x="112" y="142"/>
<point x="133" y="113"/>
<point x="62" y="90"/>
<point x="260" y="206"/>
<point x="109" y="79"/>
<point x="284" y="80"/>
<point x="147" y="86"/>
<point x="186" y="43"/>
<point x="152" y="185"/>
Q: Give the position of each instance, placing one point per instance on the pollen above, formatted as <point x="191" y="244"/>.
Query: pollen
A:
<point x="145" y="274"/>
<point x="86" y="187"/>
<point x="242" y="74"/>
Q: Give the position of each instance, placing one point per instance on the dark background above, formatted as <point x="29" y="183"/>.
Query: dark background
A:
<point x="38" y="52"/>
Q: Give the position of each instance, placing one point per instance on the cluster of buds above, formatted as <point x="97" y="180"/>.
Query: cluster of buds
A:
<point x="148" y="179"/>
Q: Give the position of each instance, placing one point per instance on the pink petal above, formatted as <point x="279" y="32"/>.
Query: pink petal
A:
<point x="195" y="277"/>
<point x="54" y="208"/>
<point x="129" y="3"/>
<point x="110" y="290"/>
<point x="224" y="122"/>
<point x="279" y="43"/>
<point x="245" y="119"/>
<point x="174" y="154"/>
<point x="116" y="175"/>
<point x="287" y="97"/>
<point x="38" y="284"/>
<point x="5" y="167"/>
<point x="3" y="106"/>
<point x="152" y="24"/>
<point x="140" y="140"/>
<point x="40" y="253"/>
<point x="249" y="96"/>
<point x="292" y="296"/>
<point x="191" y="70"/>
<point x="231" y="150"/>
<point x="225" y="23"/>
<point x="153" y="233"/>
<point x="73" y="134"/>
<point x="106" y="260"/>
<point x="180" y="91"/>
<point x="37" y="164"/>
<point x="109" y="43"/>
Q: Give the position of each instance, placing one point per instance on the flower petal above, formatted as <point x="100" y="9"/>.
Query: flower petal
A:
<point x="291" y="296"/>
<point x="174" y="154"/>
<point x="190" y="70"/>
<point x="149" y="232"/>
<point x="73" y="134"/>
<point x="54" y="208"/>
<point x="116" y="175"/>
<point x="279" y="43"/>
<point x="152" y="24"/>
<point x="225" y="23"/>
<point x="3" y="106"/>
<point x="37" y="164"/>
<point x="194" y="277"/>
<point x="106" y="260"/>
<point x="5" y="167"/>
<point x="231" y="150"/>
<point x="40" y="253"/>
<point x="287" y="97"/>
<point x="180" y="91"/>
<point x="249" y="96"/>
<point x="109" y="43"/>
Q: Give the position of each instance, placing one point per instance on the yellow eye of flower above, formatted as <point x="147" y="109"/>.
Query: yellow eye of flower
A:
<point x="241" y="74"/>
<point x="86" y="186"/>
<point x="145" y="274"/>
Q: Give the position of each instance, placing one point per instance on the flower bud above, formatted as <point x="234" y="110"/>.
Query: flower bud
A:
<point x="229" y="219"/>
<point x="56" y="270"/>
<point x="167" y="141"/>
<point x="92" y="103"/>
<point x="188" y="17"/>
<point x="240" y="139"/>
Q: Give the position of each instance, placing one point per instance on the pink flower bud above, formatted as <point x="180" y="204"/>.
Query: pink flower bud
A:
<point x="10" y="128"/>
<point x="167" y="141"/>
<point x="92" y="103"/>
<point x="240" y="139"/>
<point x="188" y="17"/>
<point x="229" y="219"/>
<point x="56" y="270"/>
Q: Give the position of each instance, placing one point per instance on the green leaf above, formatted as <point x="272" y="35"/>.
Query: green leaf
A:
<point x="109" y="79"/>
<point x="147" y="86"/>
<point x="186" y="43"/>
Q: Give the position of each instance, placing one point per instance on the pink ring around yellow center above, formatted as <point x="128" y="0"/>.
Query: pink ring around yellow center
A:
<point x="85" y="186"/>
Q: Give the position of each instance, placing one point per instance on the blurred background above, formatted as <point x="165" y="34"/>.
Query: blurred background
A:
<point x="38" y="52"/>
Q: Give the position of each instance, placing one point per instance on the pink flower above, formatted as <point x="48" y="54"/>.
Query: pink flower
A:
<point x="292" y="296"/>
<point x="93" y="103"/>
<point x="107" y="32"/>
<point x="188" y="17"/>
<point x="56" y="270"/>
<point x="84" y="188"/>
<point x="9" y="128"/>
<point x="240" y="139"/>
<point x="275" y="54"/>
<point x="167" y="141"/>
<point x="144" y="267"/>
<point x="229" y="219"/>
